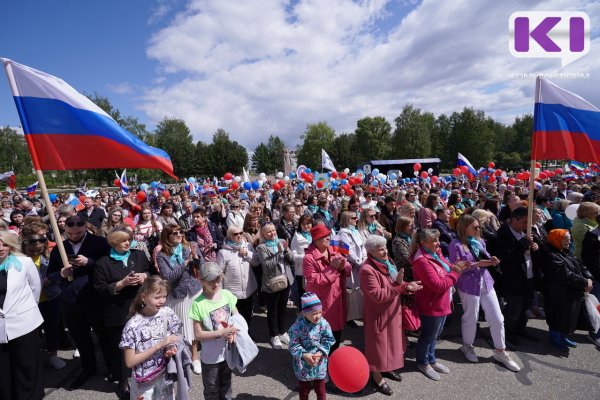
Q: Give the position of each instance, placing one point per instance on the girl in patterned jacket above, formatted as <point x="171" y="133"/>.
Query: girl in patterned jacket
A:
<point x="310" y="341"/>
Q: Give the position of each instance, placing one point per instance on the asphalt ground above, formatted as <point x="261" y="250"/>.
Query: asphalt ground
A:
<point x="546" y="373"/>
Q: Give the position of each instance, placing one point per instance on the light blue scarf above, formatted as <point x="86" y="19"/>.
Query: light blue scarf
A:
<point x="437" y="258"/>
<point x="273" y="244"/>
<point x="474" y="245"/>
<point x="123" y="257"/>
<point x="372" y="227"/>
<point x="405" y="236"/>
<point x="177" y="257"/>
<point x="10" y="261"/>
<point x="325" y="213"/>
<point x="306" y="235"/>
<point x="390" y="267"/>
<point x="313" y="208"/>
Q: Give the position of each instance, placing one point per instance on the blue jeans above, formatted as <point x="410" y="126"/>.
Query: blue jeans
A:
<point x="431" y="328"/>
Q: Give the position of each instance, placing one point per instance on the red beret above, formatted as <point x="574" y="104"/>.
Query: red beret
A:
<point x="319" y="231"/>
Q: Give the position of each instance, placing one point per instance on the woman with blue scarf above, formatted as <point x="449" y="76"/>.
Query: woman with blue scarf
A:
<point x="300" y="242"/>
<point x="117" y="278"/>
<point x="177" y="263"/>
<point x="476" y="288"/>
<point x="20" y="288"/>
<point x="382" y="285"/>
<point x="437" y="276"/>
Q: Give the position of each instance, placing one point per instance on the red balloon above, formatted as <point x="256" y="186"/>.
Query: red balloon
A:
<point x="281" y="183"/>
<point x="424" y="174"/>
<point x="320" y="184"/>
<point x="511" y="181"/>
<point x="464" y="169"/>
<point x="228" y="176"/>
<point x="234" y="185"/>
<point x="348" y="369"/>
<point x="543" y="176"/>
<point x="166" y="193"/>
<point x="491" y="179"/>
<point x="456" y="171"/>
<point x="334" y="174"/>
<point x="141" y="196"/>
<point x="417" y="167"/>
<point x="276" y="186"/>
<point x="538" y="165"/>
<point x="303" y="175"/>
<point x="350" y="192"/>
<point x="434" y="179"/>
<point x="117" y="182"/>
<point x="343" y="175"/>
<point x="498" y="172"/>
<point x="558" y="171"/>
<point x="491" y="164"/>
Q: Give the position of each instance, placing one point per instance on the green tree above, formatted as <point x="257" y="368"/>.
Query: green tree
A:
<point x="226" y="155"/>
<point x="343" y="153"/>
<point x="373" y="137"/>
<point x="316" y="137"/>
<point x="261" y="159"/>
<point x="14" y="154"/>
<point x="412" y="137"/>
<point x="523" y="127"/>
<point x="440" y="140"/>
<point x="472" y="136"/>
<point x="268" y="158"/>
<point x="173" y="136"/>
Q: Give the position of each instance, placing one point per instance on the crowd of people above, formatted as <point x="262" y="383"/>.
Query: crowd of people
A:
<point x="169" y="275"/>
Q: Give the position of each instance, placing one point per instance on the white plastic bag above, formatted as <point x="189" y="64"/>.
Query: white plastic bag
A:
<point x="591" y="304"/>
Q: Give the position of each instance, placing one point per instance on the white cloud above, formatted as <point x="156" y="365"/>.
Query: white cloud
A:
<point x="120" y="88"/>
<point x="260" y="67"/>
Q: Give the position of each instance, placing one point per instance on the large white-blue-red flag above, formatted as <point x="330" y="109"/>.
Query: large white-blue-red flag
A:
<point x="462" y="161"/>
<point x="65" y="130"/>
<point x="565" y="126"/>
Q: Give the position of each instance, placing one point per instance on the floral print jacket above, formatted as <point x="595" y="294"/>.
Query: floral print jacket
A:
<point x="306" y="337"/>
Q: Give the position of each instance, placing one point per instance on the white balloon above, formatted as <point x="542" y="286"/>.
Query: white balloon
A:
<point x="262" y="176"/>
<point x="286" y="178"/>
<point x="416" y="173"/>
<point x="279" y="175"/>
<point x="571" y="211"/>
<point x="237" y="179"/>
<point x="399" y="173"/>
<point x="347" y="170"/>
<point x="261" y="182"/>
<point x="430" y="170"/>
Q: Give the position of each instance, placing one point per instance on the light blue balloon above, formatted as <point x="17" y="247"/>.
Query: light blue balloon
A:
<point x="301" y="186"/>
<point x="374" y="182"/>
<point x="144" y="187"/>
<point x="375" y="172"/>
<point x="192" y="179"/>
<point x="52" y="197"/>
<point x="153" y="184"/>
<point x="292" y="175"/>
<point x="308" y="170"/>
<point x="393" y="176"/>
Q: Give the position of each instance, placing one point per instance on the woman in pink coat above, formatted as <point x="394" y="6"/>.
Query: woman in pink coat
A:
<point x="325" y="272"/>
<point x="382" y="286"/>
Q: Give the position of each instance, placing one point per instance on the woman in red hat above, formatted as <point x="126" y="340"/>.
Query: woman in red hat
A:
<point x="325" y="272"/>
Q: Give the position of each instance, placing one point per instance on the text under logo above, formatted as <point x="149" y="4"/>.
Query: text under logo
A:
<point x="549" y="34"/>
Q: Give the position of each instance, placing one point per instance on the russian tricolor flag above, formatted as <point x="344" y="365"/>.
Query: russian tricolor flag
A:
<point x="565" y="126"/>
<point x="32" y="188"/>
<point x="339" y="245"/>
<point x="65" y="130"/>
<point x="462" y="161"/>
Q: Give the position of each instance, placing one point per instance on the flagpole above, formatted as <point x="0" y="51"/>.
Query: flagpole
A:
<point x="533" y="161"/>
<point x="38" y="171"/>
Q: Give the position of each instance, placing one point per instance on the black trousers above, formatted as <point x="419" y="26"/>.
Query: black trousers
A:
<point x="276" y="312"/>
<point x="338" y="340"/>
<point x="245" y="308"/>
<point x="21" y="368"/>
<point x="515" y="317"/>
<point x="117" y="363"/>
<point x="80" y="319"/>
<point x="216" y="379"/>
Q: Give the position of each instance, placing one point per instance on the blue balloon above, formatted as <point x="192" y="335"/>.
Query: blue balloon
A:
<point x="292" y="175"/>
<point x="329" y="174"/>
<point x="187" y="188"/>
<point x="192" y="179"/>
<point x="255" y="185"/>
<point x="414" y="180"/>
<point x="374" y="182"/>
<point x="334" y="185"/>
<point x="382" y="179"/>
<point x="375" y="172"/>
<point x="344" y="181"/>
<point x="301" y="186"/>
<point x="144" y="187"/>
<point x="52" y="197"/>
<point x="153" y="184"/>
<point x="247" y="185"/>
<point x="393" y="176"/>
<point x="308" y="170"/>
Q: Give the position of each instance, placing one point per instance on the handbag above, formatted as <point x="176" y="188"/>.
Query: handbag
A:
<point x="277" y="283"/>
<point x="593" y="309"/>
<point x="410" y="318"/>
<point x="354" y="304"/>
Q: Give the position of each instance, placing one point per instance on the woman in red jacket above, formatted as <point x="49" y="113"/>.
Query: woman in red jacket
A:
<point x="437" y="276"/>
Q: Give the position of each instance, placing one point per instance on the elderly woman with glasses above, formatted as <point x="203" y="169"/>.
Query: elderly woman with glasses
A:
<point x="35" y="246"/>
<point x="234" y="258"/>
<point x="117" y="278"/>
<point x="382" y="286"/>
<point x="177" y="263"/>
<point x="325" y="272"/>
<point x="20" y="289"/>
<point x="476" y="288"/>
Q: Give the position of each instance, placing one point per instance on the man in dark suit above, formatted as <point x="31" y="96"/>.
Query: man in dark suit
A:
<point x="81" y="306"/>
<point x="514" y="248"/>
<point x="91" y="213"/>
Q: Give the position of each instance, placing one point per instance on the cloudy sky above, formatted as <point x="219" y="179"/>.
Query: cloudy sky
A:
<point x="261" y="67"/>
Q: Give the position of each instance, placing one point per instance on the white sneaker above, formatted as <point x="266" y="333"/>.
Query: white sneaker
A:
<point x="469" y="352"/>
<point x="76" y="353"/>
<point x="593" y="339"/>
<point x="57" y="363"/>
<point x="276" y="343"/>
<point x="197" y="367"/>
<point x="504" y="358"/>
<point x="285" y="338"/>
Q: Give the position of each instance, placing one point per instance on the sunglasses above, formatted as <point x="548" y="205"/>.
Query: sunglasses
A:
<point x="177" y="233"/>
<point x="237" y="233"/>
<point x="353" y="217"/>
<point x="78" y="223"/>
<point x="235" y="207"/>
<point x="35" y="241"/>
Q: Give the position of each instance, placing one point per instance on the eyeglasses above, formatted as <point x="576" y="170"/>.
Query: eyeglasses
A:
<point x="237" y="233"/>
<point x="177" y="233"/>
<point x="35" y="241"/>
<point x="371" y="216"/>
<point x="353" y="217"/>
<point x="78" y="223"/>
<point x="234" y="207"/>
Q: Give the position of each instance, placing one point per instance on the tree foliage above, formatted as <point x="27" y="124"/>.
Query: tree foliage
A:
<point x="173" y="136"/>
<point x="14" y="154"/>
<point x="412" y="136"/>
<point x="373" y="137"/>
<point x="316" y="137"/>
<point x="225" y="155"/>
<point x="268" y="158"/>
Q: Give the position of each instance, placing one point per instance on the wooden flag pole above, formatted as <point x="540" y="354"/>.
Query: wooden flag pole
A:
<point x="530" y="198"/>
